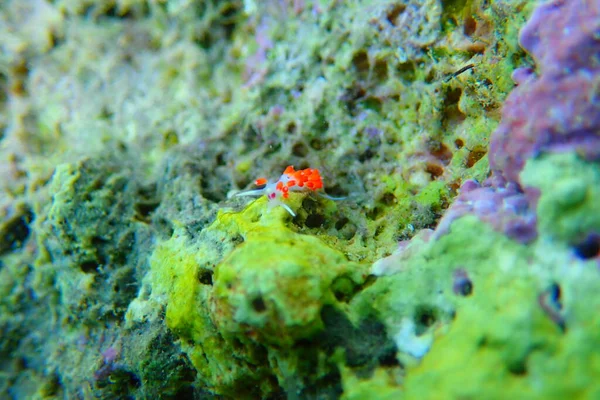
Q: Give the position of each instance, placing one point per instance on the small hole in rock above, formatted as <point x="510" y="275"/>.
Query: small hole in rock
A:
<point x="366" y="155"/>
<point x="475" y="155"/>
<point x="375" y="213"/>
<point x="15" y="232"/>
<point x="220" y="159"/>
<point x="300" y="150"/>
<point x="144" y="209"/>
<point x="434" y="170"/>
<point x="343" y="288"/>
<point x="381" y="70"/>
<point x="336" y="191"/>
<point x="309" y="204"/>
<point x="98" y="241"/>
<point x="372" y="103"/>
<point x="388" y="199"/>
<point x="389" y="359"/>
<point x="205" y="276"/>
<point x="316" y="144"/>
<point x="347" y="231"/>
<point x="394" y="12"/>
<point x="303" y="164"/>
<point x="589" y="247"/>
<point x="259" y="304"/>
<point x="461" y="284"/>
<point x="237" y="239"/>
<point x="360" y="60"/>
<point x="470" y="26"/>
<point x="291" y="127"/>
<point x="341" y="223"/>
<point x="454" y="186"/>
<point x="425" y="317"/>
<point x="440" y="151"/>
<point x="89" y="266"/>
<point x="517" y="368"/>
<point x="314" y="220"/>
<point x="407" y="71"/>
<point x="452" y="114"/>
<point x="453" y="96"/>
<point x="554" y="293"/>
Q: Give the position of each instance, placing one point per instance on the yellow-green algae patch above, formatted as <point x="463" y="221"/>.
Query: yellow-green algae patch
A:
<point x="382" y="385"/>
<point x="525" y="329"/>
<point x="248" y="281"/>
<point x="568" y="207"/>
<point x="504" y="342"/>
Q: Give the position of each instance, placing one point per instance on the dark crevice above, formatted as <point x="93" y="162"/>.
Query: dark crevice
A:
<point x="205" y="276"/>
<point x="258" y="304"/>
<point x="588" y="247"/>
<point x="425" y="317"/>
<point x="475" y="154"/>
<point x="15" y="231"/>
<point x="366" y="345"/>
<point x="89" y="266"/>
<point x="314" y="220"/>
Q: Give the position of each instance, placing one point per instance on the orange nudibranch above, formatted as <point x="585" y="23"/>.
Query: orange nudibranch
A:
<point x="308" y="179"/>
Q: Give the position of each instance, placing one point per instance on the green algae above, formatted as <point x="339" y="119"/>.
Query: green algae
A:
<point x="275" y="286"/>
<point x="568" y="207"/>
<point x="397" y="98"/>
<point x="502" y="337"/>
<point x="497" y="340"/>
<point x="382" y="385"/>
<point x="251" y="286"/>
<point x="88" y="227"/>
<point x="203" y="104"/>
<point x="508" y="336"/>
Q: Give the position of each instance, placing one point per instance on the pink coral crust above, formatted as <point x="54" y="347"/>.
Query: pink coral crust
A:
<point x="559" y="110"/>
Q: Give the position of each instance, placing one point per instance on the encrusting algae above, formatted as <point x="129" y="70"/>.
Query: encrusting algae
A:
<point x="461" y="135"/>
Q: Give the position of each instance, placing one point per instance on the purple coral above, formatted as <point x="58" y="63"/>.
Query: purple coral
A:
<point x="505" y="207"/>
<point x="555" y="111"/>
<point x="560" y="109"/>
<point x="562" y="36"/>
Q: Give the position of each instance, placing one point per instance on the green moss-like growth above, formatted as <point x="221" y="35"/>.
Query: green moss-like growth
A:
<point x="251" y="282"/>
<point x="166" y="370"/>
<point x="183" y="275"/>
<point x="275" y="284"/>
<point x="90" y="199"/>
<point x="569" y="206"/>
<point x="88" y="233"/>
<point x="155" y="111"/>
<point x="506" y="337"/>
<point x="381" y="385"/>
<point x="14" y="228"/>
<point x="523" y="324"/>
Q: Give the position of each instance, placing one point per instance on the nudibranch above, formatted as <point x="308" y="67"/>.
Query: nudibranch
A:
<point x="307" y="180"/>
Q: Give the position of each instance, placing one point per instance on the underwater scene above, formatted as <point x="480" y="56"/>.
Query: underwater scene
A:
<point x="300" y="199"/>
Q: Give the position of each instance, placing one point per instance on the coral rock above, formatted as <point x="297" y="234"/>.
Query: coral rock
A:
<point x="560" y="110"/>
